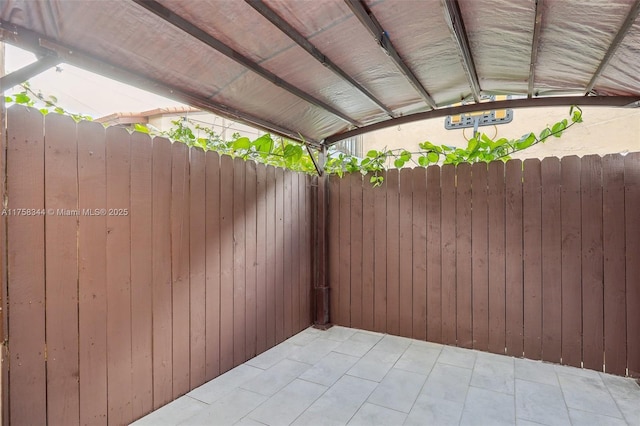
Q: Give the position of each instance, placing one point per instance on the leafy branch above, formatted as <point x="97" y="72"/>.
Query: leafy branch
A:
<point x="50" y="103"/>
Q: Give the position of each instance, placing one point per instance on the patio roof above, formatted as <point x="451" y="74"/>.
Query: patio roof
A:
<point x="327" y="70"/>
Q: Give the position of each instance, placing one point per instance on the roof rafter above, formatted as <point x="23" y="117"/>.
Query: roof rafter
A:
<point x="605" y="101"/>
<point x="534" y="46"/>
<point x="206" y="38"/>
<point x="28" y="71"/>
<point x="39" y="44"/>
<point x="371" y="23"/>
<point x="301" y="40"/>
<point x="454" y="19"/>
<point x="622" y="32"/>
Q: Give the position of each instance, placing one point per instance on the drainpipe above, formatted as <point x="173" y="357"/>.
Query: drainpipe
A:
<point x="320" y="244"/>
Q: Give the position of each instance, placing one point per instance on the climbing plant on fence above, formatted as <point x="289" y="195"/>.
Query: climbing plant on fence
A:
<point x="281" y="152"/>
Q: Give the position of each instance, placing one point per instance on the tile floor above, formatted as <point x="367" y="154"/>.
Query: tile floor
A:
<point x="348" y="376"/>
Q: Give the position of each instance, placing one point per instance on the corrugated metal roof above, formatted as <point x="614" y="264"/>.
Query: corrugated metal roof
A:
<point x="326" y="69"/>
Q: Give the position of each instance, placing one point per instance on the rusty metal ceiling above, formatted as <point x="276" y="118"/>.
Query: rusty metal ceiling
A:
<point x="330" y="69"/>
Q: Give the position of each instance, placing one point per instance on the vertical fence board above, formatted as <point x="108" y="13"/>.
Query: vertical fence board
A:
<point x="379" y="259"/>
<point x="551" y="261"/>
<point x="368" y="253"/>
<point x="342" y="316"/>
<point x="513" y="273"/>
<point x="92" y="270"/>
<point x="261" y="258"/>
<point x="356" y="249"/>
<point x="119" y="379"/>
<point x="592" y="268"/>
<point x="239" y="265"/>
<point x="226" y="263"/>
<point x="532" y="259"/>
<point x="61" y="270"/>
<point x="295" y="259"/>
<point x="393" y="252"/>
<point x="25" y="245"/>
<point x="162" y="328"/>
<point x="288" y="256"/>
<point x="434" y="256"/>
<point x="251" y="259"/>
<point x="448" y="235"/>
<point x="333" y="253"/>
<point x="141" y="274"/>
<point x="180" y="266"/>
<point x="279" y="258"/>
<point x="632" y="225"/>
<point x="480" y="256"/>
<point x="464" y="317"/>
<point x="497" y="266"/>
<point x="571" y="263"/>
<point x="270" y="193"/>
<point x="419" y="251"/>
<point x="613" y="221"/>
<point x="405" y="273"/>
<point x="212" y="264"/>
<point x="197" y="267"/>
<point x="306" y="282"/>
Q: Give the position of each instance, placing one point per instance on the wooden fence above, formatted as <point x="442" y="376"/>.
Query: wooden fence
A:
<point x="138" y="270"/>
<point x="539" y="259"/>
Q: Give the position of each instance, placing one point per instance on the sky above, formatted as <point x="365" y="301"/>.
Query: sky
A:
<point x="83" y="92"/>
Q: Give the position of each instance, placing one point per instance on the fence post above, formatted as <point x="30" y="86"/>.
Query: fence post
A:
<point x="4" y="406"/>
<point x="320" y="186"/>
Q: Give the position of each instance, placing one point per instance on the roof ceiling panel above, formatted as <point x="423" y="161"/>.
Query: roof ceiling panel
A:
<point x="423" y="40"/>
<point x="622" y="75"/>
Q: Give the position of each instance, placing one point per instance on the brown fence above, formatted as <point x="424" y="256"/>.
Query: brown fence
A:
<point x="138" y="270"/>
<point x="539" y="259"/>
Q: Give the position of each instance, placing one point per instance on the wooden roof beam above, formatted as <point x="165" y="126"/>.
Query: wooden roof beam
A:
<point x="534" y="46"/>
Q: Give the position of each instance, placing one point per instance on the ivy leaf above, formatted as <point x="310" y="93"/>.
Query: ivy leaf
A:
<point x="373" y="153"/>
<point x="473" y="145"/>
<point x="423" y="160"/>
<point x="577" y="117"/>
<point x="399" y="162"/>
<point x="292" y="153"/>
<point x="264" y="144"/>
<point x="405" y="156"/>
<point x="22" y="98"/>
<point x="241" y="143"/>
<point x="8" y="99"/>
<point x="141" y="128"/>
<point x="545" y="134"/>
<point x="526" y="142"/>
<point x="427" y="146"/>
<point x="558" y="128"/>
<point x="433" y="157"/>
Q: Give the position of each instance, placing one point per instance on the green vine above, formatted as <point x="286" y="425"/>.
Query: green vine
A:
<point x="281" y="152"/>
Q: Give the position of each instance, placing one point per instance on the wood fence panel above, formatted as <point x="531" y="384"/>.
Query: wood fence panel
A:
<point x="239" y="265"/>
<point x="380" y="259"/>
<point x="26" y="265"/>
<point x="226" y="263"/>
<point x="61" y="269"/>
<point x="434" y="256"/>
<point x="480" y="256"/>
<point x="419" y="251"/>
<point x="497" y="266"/>
<point x="119" y="379"/>
<point x="333" y="243"/>
<point x="405" y="272"/>
<point x="180" y="266"/>
<point x="393" y="252"/>
<point x="141" y="274"/>
<point x="288" y="257"/>
<point x="271" y="255"/>
<point x="261" y="258"/>
<point x="464" y="319"/>
<point x="212" y="264"/>
<point x="342" y="316"/>
<point x="295" y="254"/>
<point x="613" y="232"/>
<point x="551" y="261"/>
<point x="571" y="263"/>
<point x="92" y="271"/>
<point x="532" y="237"/>
<point x="197" y="268"/>
<point x="306" y="242"/>
<point x="448" y="235"/>
<point x="162" y="314"/>
<point x="304" y="255"/>
<point x="356" y="249"/>
<point x="368" y="253"/>
<point x="279" y="258"/>
<point x="251" y="255"/>
<point x="514" y="273"/>
<point x="592" y="259"/>
<point x="632" y="225"/>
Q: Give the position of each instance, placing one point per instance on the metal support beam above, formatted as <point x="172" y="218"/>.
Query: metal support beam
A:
<point x="206" y="38"/>
<point x="367" y="18"/>
<point x="28" y="71"/>
<point x="605" y="101"/>
<point x="39" y="44"/>
<point x="321" y="318"/>
<point x="622" y="32"/>
<point x="454" y="19"/>
<point x="294" y="35"/>
<point x="534" y="46"/>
